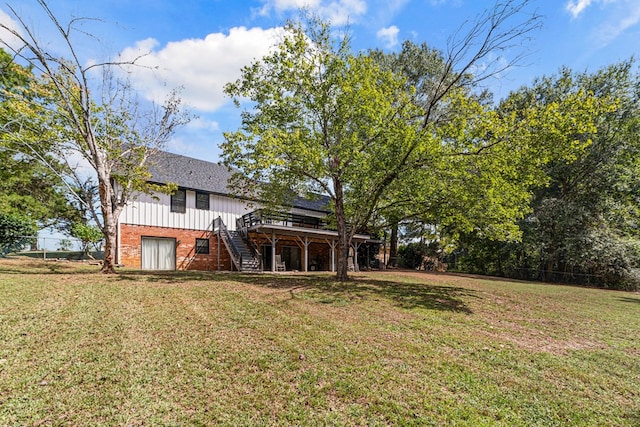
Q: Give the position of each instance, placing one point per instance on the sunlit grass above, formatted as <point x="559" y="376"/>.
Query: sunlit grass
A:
<point x="81" y="348"/>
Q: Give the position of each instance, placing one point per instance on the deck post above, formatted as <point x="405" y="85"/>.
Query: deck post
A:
<point x="356" y="246"/>
<point x="306" y="254"/>
<point x="304" y="244"/>
<point x="273" y="251"/>
<point x="332" y="244"/>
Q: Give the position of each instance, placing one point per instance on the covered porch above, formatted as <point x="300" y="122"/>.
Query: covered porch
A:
<point x="301" y="243"/>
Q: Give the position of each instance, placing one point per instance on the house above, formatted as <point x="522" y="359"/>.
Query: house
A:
<point x="202" y="226"/>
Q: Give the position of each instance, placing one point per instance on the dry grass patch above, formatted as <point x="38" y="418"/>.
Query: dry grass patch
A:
<point x="191" y="348"/>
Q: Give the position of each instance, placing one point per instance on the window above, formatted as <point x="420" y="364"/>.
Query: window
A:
<point x="202" y="246"/>
<point x="179" y="201"/>
<point x="202" y="201"/>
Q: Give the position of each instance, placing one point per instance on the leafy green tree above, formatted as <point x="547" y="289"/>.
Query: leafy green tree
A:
<point x="326" y="120"/>
<point x="584" y="224"/>
<point x="15" y="231"/>
<point x="88" y="235"/>
<point x="588" y="214"/>
<point x="107" y="127"/>
<point x="473" y="178"/>
<point x="27" y="186"/>
<point x="482" y="180"/>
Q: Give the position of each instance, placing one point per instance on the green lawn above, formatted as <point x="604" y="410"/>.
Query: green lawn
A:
<point x="388" y="348"/>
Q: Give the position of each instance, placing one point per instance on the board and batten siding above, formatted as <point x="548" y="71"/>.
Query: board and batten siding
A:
<point x="156" y="212"/>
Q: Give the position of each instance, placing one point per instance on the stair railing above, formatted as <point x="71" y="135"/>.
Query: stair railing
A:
<point x="242" y="228"/>
<point x="223" y="232"/>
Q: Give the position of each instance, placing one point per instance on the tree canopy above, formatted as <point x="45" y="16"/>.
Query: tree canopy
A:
<point x="349" y="125"/>
<point x="30" y="183"/>
<point x="325" y="121"/>
<point x="104" y="124"/>
<point x="15" y="230"/>
<point x="584" y="221"/>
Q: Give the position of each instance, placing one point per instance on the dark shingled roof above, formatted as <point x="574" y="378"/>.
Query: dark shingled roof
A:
<point x="190" y="173"/>
<point x="320" y="203"/>
<point x="208" y="177"/>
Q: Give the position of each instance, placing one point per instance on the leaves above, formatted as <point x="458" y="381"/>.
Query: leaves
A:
<point x="15" y="230"/>
<point x="584" y="221"/>
<point x="30" y="182"/>
<point x="375" y="132"/>
<point x="103" y="126"/>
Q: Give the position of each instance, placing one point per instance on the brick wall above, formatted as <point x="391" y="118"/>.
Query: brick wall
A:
<point x="186" y="257"/>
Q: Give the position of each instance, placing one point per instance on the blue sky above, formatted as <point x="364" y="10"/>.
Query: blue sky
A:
<point x="202" y="44"/>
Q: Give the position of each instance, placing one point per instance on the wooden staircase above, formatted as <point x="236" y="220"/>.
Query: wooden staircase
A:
<point x="248" y="261"/>
<point x="243" y="257"/>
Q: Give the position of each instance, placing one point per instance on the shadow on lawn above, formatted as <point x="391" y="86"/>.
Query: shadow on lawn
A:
<point x="320" y="288"/>
<point x="324" y="289"/>
<point x="45" y="267"/>
<point x="171" y="277"/>
<point x="628" y="299"/>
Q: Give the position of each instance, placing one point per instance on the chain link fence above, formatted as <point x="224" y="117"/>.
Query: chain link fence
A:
<point x="53" y="247"/>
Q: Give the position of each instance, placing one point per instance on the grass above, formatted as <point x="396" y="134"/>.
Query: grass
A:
<point x="388" y="348"/>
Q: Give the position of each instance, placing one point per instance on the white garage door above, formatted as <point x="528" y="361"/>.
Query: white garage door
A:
<point x="158" y="253"/>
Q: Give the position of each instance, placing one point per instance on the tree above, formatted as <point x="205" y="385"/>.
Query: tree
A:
<point x="475" y="175"/>
<point x="88" y="235"/>
<point x="27" y="186"/>
<point x="325" y="119"/>
<point x="15" y="230"/>
<point x="587" y="216"/>
<point x="110" y="131"/>
<point x="584" y="221"/>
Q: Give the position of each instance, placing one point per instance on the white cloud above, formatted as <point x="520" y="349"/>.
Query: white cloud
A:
<point x="575" y="7"/>
<point x="383" y="12"/>
<point x="294" y="4"/>
<point x="178" y="144"/>
<point x="491" y="66"/>
<point x="199" y="138"/>
<point x="200" y="66"/>
<point x="201" y="123"/>
<point x="394" y="6"/>
<point x="6" y="38"/>
<point x="615" y="16"/>
<point x="626" y="15"/>
<point x="389" y="36"/>
<point x="454" y="3"/>
<point x="338" y="12"/>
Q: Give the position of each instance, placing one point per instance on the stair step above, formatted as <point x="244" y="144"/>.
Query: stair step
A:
<point x="248" y="262"/>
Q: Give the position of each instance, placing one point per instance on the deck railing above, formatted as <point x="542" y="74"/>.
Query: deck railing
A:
<point x="242" y="231"/>
<point x="285" y="219"/>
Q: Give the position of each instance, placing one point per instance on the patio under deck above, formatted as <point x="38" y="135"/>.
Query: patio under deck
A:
<point x="299" y="230"/>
